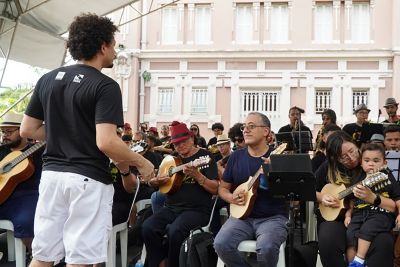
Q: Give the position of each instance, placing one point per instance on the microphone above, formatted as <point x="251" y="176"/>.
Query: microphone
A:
<point x="379" y="114"/>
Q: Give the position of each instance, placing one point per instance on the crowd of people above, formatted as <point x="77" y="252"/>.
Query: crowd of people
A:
<point x="82" y="181"/>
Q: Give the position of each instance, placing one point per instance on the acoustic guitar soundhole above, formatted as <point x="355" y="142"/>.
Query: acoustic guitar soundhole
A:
<point x="6" y="168"/>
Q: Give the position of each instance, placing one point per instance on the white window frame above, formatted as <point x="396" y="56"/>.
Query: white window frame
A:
<point x="360" y="96"/>
<point x="360" y="22"/>
<point x="199" y="101"/>
<point x="244" y="24"/>
<point x="323" y="23"/>
<point x="266" y="101"/>
<point x="166" y="97"/>
<point x="202" y="22"/>
<point x="169" y="26"/>
<point x="323" y="99"/>
<point x="280" y="23"/>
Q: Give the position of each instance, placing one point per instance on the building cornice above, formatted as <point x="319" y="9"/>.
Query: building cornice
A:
<point x="275" y="54"/>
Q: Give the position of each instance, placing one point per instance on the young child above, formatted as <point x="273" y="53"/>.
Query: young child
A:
<point x="369" y="213"/>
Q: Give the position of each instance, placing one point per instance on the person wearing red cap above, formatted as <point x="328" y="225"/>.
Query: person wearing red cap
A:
<point x="185" y="209"/>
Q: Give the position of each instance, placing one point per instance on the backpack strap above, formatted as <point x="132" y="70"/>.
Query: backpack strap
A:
<point x="203" y="252"/>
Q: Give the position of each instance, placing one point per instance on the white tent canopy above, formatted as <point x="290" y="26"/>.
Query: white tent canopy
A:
<point x="31" y="30"/>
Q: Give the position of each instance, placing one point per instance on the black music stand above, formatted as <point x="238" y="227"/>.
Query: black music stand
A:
<point x="292" y="139"/>
<point x="291" y="177"/>
<point x="369" y="129"/>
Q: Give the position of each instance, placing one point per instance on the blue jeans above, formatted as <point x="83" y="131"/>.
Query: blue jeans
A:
<point x="157" y="200"/>
<point x="269" y="232"/>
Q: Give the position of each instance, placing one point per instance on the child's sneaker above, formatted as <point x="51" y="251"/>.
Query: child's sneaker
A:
<point x="356" y="264"/>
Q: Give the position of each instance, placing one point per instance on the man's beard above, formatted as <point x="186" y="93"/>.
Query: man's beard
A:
<point x="12" y="144"/>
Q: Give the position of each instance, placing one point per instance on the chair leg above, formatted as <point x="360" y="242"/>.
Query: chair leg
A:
<point x="143" y="255"/>
<point x="123" y="237"/>
<point x="10" y="245"/>
<point x="111" y="250"/>
<point x="20" y="253"/>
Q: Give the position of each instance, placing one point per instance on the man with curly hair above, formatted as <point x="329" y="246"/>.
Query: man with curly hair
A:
<point x="77" y="109"/>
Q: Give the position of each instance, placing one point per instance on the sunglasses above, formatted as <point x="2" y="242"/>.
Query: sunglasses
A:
<point x="238" y="139"/>
<point x="193" y="129"/>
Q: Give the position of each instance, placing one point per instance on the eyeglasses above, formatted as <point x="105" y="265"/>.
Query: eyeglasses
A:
<point x="238" y="139"/>
<point x="346" y="158"/>
<point x="8" y="132"/>
<point x="250" y="127"/>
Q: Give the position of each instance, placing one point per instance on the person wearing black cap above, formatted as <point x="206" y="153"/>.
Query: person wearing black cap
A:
<point x="391" y="107"/>
<point x="354" y="129"/>
<point x="183" y="210"/>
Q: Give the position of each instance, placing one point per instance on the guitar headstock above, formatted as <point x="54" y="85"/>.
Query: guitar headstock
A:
<point x="376" y="180"/>
<point x="279" y="149"/>
<point x="201" y="161"/>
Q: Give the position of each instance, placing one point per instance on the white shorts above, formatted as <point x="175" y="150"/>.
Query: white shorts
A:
<point x="73" y="219"/>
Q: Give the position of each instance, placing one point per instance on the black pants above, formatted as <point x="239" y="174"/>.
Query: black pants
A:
<point x="179" y="226"/>
<point x="332" y="247"/>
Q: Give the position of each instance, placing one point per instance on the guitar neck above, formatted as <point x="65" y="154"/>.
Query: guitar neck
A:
<point x="27" y="153"/>
<point x="254" y="178"/>
<point x="180" y="167"/>
<point x="349" y="190"/>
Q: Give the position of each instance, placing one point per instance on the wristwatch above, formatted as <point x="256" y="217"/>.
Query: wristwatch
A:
<point x="126" y="173"/>
<point x="377" y="200"/>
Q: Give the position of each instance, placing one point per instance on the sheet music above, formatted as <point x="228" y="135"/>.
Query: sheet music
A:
<point x="393" y="162"/>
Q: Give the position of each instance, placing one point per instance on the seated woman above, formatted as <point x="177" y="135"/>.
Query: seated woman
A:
<point x="342" y="164"/>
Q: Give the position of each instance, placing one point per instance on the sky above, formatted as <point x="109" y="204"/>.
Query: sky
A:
<point x="19" y="74"/>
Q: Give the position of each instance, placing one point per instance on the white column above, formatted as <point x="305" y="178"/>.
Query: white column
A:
<point x="336" y="13"/>
<point x="125" y="94"/>
<point x="256" y="22"/>
<point x="212" y="94"/>
<point x="284" y="105"/>
<point x="190" y="33"/>
<point x="373" y="99"/>
<point x="336" y="103"/>
<point x="143" y="31"/>
<point x="236" y="110"/>
<point x="347" y="101"/>
<point x="153" y="96"/>
<point x="267" y="12"/>
<point x="178" y="109"/>
<point x="310" y="101"/>
<point x="347" y="13"/>
<point x="187" y="93"/>
<point x="181" y="14"/>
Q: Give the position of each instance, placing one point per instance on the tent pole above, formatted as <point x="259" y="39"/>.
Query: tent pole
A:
<point x="8" y="53"/>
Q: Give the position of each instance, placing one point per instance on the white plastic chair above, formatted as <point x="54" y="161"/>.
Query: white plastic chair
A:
<point x="250" y="246"/>
<point x="122" y="229"/>
<point x="16" y="248"/>
<point x="141" y="205"/>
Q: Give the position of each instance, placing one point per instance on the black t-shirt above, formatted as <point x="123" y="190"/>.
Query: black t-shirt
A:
<point x="354" y="131"/>
<point x="212" y="141"/>
<point x="391" y="190"/>
<point x="201" y="142"/>
<point x="32" y="183"/>
<point x="71" y="101"/>
<point x="317" y="160"/>
<point x="191" y="195"/>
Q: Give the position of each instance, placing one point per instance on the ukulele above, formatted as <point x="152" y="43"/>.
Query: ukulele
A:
<point x="16" y="168"/>
<point x="250" y="189"/>
<point x="376" y="180"/>
<point x="173" y="167"/>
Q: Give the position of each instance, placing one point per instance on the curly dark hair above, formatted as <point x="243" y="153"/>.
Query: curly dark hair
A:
<point x="87" y="33"/>
<point x="235" y="131"/>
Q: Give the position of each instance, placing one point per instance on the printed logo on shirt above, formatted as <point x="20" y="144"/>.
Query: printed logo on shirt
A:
<point x="78" y="78"/>
<point x="60" y="75"/>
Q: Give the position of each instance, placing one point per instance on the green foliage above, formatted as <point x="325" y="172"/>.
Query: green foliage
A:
<point x="9" y="96"/>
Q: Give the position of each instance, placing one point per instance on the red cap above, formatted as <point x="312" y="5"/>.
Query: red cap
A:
<point x="179" y="132"/>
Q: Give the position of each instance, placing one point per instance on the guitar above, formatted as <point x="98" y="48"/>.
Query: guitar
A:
<point x="16" y="168"/>
<point x="376" y="180"/>
<point x="173" y="167"/>
<point x="250" y="189"/>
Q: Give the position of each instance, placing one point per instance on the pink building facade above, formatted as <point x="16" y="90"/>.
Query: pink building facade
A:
<point x="217" y="60"/>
